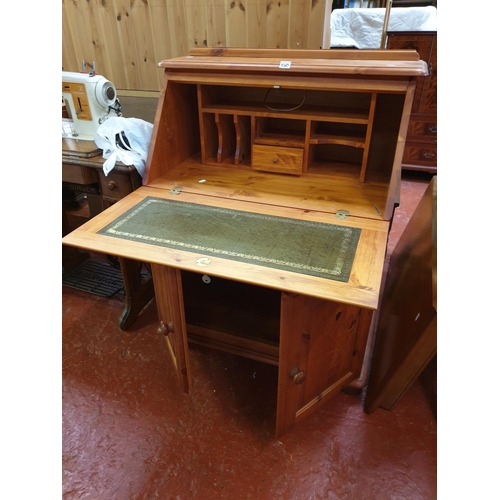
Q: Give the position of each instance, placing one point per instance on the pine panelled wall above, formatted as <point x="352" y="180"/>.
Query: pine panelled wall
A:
<point x="127" y="38"/>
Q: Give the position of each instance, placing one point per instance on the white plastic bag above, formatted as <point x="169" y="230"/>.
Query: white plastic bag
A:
<point x="126" y="140"/>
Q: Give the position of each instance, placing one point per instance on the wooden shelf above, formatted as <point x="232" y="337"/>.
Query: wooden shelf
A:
<point x="353" y="141"/>
<point x="340" y="115"/>
<point x="283" y="138"/>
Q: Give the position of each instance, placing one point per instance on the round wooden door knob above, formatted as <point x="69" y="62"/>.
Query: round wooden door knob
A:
<point x="165" y="329"/>
<point x="298" y="376"/>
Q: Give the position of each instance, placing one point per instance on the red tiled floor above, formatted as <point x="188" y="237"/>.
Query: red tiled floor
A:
<point x="129" y="432"/>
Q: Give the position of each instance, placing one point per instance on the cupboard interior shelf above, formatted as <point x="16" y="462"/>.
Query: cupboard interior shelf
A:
<point x="234" y="317"/>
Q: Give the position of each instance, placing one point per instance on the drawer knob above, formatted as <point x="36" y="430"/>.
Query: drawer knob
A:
<point x="112" y="185"/>
<point x="433" y="130"/>
<point x="428" y="155"/>
<point x="165" y="329"/>
<point x="275" y="160"/>
<point x="298" y="376"/>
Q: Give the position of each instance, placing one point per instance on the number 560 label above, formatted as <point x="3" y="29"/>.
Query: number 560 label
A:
<point x="285" y="64"/>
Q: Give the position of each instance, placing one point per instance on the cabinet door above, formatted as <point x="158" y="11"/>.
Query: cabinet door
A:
<point x="322" y="345"/>
<point x="168" y="283"/>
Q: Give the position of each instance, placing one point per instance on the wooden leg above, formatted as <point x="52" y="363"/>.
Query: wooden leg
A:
<point x="137" y="294"/>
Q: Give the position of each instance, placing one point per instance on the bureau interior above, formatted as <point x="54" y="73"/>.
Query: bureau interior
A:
<point x="333" y="130"/>
<point x="296" y="133"/>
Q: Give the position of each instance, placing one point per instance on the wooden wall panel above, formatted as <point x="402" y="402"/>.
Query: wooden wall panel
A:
<point x="76" y="24"/>
<point x="216" y="24"/>
<point x="175" y="35"/>
<point x="235" y="18"/>
<point x="127" y="38"/>
<point x="109" y="19"/>
<point x="277" y="14"/>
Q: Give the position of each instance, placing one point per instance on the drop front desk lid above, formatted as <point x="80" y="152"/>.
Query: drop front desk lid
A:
<point x="262" y="228"/>
<point x="248" y="245"/>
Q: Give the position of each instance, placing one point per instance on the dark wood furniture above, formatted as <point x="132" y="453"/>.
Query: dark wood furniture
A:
<point x="307" y="138"/>
<point x="414" y="3"/>
<point x="82" y="172"/>
<point x="421" y="141"/>
<point x="406" y="338"/>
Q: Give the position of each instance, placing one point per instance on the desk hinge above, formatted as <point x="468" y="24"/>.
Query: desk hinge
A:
<point x="175" y="190"/>
<point x="342" y="214"/>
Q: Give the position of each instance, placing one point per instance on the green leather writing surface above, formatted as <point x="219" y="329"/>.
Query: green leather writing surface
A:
<point x="312" y="248"/>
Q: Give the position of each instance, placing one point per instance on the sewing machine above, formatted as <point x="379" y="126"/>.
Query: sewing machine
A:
<point x="90" y="100"/>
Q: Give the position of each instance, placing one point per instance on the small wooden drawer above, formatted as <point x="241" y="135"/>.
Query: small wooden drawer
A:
<point x="420" y="154"/>
<point x="422" y="128"/>
<point x="115" y="186"/>
<point x="78" y="175"/>
<point x="277" y="159"/>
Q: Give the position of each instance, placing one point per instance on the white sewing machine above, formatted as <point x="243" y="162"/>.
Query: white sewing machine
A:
<point x="90" y="100"/>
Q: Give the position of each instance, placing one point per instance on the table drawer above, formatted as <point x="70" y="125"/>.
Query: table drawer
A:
<point x="78" y="175"/>
<point x="277" y="159"/>
<point x="422" y="129"/>
<point x="420" y="154"/>
<point x="115" y="186"/>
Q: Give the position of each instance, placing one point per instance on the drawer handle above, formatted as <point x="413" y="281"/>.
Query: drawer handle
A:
<point x="433" y="130"/>
<point x="298" y="376"/>
<point x="428" y="155"/>
<point x="112" y="185"/>
<point x="275" y="160"/>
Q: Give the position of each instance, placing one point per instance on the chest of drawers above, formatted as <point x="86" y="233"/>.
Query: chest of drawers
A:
<point x="421" y="142"/>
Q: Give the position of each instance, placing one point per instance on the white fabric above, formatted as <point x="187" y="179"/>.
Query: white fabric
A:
<point x="362" y="28"/>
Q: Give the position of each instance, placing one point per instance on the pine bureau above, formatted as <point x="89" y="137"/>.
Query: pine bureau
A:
<point x="269" y="190"/>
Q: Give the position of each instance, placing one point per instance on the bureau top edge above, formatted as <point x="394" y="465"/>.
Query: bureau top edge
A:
<point x="400" y="63"/>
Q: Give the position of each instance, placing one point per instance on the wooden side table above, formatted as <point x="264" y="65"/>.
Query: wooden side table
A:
<point x="82" y="172"/>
